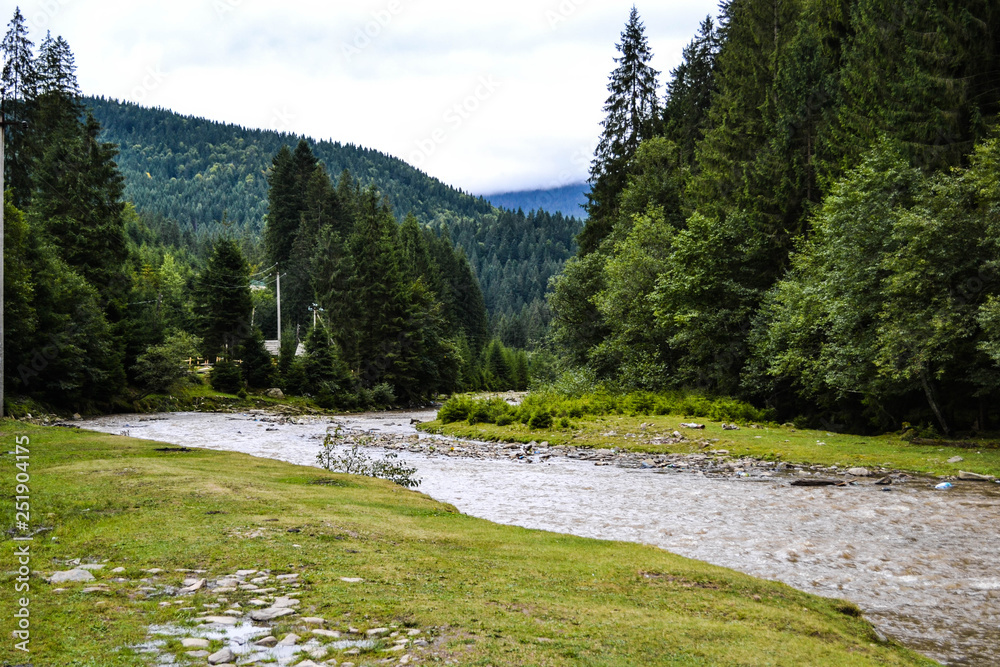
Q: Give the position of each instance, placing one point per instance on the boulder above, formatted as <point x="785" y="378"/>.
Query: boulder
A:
<point x="270" y="613"/>
<point x="223" y="656"/>
<point x="274" y="393"/>
<point x="859" y="472"/>
<point x="75" y="575"/>
<point x="267" y="642"/>
<point x="194" y="642"/>
<point x="955" y="459"/>
<point x="290" y="639"/>
<point x="219" y="620"/>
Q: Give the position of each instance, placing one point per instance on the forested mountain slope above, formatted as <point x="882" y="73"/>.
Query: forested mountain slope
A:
<point x="199" y="172"/>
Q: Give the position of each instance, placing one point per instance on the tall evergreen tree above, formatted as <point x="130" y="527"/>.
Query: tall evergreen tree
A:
<point x="19" y="88"/>
<point x="690" y="90"/>
<point x="222" y="301"/>
<point x="631" y="112"/>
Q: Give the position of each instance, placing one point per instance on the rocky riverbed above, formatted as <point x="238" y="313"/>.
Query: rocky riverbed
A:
<point x="920" y="562"/>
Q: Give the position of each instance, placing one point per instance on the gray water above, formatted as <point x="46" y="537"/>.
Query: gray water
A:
<point x="923" y="564"/>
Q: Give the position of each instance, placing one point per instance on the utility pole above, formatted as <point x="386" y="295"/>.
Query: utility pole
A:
<point x="279" y="308"/>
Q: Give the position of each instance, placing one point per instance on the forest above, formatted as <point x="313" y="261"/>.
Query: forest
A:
<point x="805" y="218"/>
<point x="108" y="297"/>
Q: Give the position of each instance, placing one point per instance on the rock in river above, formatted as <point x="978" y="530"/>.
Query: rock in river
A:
<point x="974" y="477"/>
<point x="223" y="656"/>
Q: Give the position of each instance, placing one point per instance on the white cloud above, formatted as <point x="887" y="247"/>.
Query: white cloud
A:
<point x="385" y="74"/>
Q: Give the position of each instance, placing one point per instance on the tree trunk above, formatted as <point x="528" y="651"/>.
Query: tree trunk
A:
<point x="929" y="392"/>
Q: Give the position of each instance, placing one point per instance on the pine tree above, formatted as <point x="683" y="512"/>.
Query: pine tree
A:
<point x="284" y="208"/>
<point x="632" y="111"/>
<point x="223" y="306"/>
<point x="19" y="89"/>
<point x="256" y="362"/>
<point x="56" y="68"/>
<point x="690" y="90"/>
<point x="19" y="75"/>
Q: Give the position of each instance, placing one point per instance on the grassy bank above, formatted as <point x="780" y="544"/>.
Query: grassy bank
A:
<point x="635" y="432"/>
<point x="484" y="594"/>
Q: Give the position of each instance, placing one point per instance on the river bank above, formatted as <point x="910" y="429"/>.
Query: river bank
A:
<point x="910" y="556"/>
<point x="368" y="560"/>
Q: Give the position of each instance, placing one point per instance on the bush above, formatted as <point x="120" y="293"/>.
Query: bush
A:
<point x="383" y="395"/>
<point x="455" y="409"/>
<point x="226" y="377"/>
<point x="160" y="366"/>
<point x="540" y="420"/>
<point x="356" y="462"/>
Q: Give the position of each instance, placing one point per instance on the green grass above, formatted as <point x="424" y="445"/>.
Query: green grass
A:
<point x="769" y="442"/>
<point x="500" y="595"/>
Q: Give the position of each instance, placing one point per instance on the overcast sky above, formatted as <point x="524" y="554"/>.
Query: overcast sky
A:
<point x="487" y="97"/>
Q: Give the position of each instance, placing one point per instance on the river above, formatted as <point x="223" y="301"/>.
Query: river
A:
<point x="923" y="564"/>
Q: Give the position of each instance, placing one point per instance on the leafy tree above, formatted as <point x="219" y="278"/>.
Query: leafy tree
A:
<point x="161" y="366"/>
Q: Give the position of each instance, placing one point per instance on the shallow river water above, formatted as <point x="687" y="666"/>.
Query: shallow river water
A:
<point x="923" y="564"/>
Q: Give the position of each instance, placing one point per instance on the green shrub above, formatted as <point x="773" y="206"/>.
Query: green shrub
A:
<point x="540" y="420"/>
<point x="455" y="409"/>
<point x="383" y="395"/>
<point x="226" y="377"/>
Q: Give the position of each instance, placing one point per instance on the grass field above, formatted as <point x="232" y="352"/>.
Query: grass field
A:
<point x="768" y="442"/>
<point x="484" y="594"/>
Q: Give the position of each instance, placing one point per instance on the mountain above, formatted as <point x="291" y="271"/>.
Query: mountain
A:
<point x="202" y="172"/>
<point x="206" y="175"/>
<point x="567" y="200"/>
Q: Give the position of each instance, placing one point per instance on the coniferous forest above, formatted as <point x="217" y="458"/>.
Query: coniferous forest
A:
<point x="134" y="248"/>
<point x="806" y="218"/>
<point x="802" y="214"/>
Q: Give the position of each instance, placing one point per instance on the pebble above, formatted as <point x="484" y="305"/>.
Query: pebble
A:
<point x="352" y="580"/>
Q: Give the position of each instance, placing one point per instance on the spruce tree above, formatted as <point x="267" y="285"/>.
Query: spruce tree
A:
<point x="19" y="80"/>
<point x="631" y="112"/>
<point x="223" y="306"/>
<point x="690" y="90"/>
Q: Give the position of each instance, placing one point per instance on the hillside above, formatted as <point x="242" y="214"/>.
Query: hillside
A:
<point x="568" y="200"/>
<point x="200" y="172"/>
<point x="203" y="173"/>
